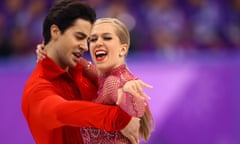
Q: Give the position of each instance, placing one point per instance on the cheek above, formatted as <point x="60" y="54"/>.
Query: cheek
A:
<point x="113" y="55"/>
<point x="115" y="51"/>
<point x="70" y="41"/>
<point x="113" y="46"/>
<point x="91" y="46"/>
<point x="92" y="54"/>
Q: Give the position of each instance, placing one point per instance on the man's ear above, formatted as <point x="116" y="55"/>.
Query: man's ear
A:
<point x="55" y="32"/>
<point x="124" y="50"/>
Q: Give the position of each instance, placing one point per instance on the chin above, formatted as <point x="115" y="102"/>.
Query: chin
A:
<point x="73" y="64"/>
<point x="104" y="69"/>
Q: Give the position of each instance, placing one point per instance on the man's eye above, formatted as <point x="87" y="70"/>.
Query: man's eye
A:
<point x="79" y="37"/>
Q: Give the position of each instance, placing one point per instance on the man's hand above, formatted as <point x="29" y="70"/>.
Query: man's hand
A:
<point x="131" y="131"/>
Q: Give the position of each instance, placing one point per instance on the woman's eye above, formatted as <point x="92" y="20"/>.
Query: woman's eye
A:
<point x="92" y="39"/>
<point x="107" y="38"/>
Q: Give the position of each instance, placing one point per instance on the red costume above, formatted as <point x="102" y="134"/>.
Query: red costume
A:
<point x="53" y="110"/>
<point x="109" y="83"/>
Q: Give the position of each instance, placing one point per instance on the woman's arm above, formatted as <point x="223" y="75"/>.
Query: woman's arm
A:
<point x="89" y="70"/>
<point x="111" y="91"/>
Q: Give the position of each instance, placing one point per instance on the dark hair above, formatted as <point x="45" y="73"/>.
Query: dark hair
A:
<point x="64" y="14"/>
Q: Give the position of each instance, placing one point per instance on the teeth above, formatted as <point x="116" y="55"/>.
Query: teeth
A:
<point x="100" y="52"/>
<point x="77" y="54"/>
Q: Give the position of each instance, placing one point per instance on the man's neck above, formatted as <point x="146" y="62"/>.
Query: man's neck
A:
<point x="52" y="54"/>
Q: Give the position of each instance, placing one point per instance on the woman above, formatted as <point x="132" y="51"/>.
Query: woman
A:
<point x="109" y="43"/>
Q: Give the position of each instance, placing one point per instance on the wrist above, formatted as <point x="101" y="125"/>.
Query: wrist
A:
<point x="119" y="95"/>
<point x="123" y="119"/>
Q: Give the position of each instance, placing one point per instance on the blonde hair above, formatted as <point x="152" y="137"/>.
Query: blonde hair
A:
<point x="121" y="29"/>
<point x="146" y="121"/>
<point x="146" y="124"/>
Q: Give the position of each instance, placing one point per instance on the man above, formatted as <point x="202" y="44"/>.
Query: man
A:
<point x="51" y="99"/>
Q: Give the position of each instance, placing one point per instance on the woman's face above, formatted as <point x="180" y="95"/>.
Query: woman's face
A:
<point x="105" y="47"/>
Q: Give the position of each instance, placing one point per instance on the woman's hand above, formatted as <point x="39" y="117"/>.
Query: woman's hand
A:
<point x="131" y="131"/>
<point x="135" y="88"/>
<point x="41" y="53"/>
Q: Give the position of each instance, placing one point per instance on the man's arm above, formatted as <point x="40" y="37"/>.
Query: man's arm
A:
<point x="53" y="111"/>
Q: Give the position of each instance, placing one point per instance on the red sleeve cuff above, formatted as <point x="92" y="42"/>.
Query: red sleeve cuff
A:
<point x="122" y="119"/>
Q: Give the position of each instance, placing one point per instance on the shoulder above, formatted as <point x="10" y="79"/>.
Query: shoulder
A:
<point x="112" y="82"/>
<point x="113" y="79"/>
<point x="36" y="83"/>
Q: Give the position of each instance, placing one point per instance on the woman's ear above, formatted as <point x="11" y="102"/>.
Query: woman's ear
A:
<point x="55" y="32"/>
<point x="124" y="50"/>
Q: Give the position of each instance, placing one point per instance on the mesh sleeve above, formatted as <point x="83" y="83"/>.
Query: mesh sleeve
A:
<point x="132" y="105"/>
<point x="109" y="92"/>
<point x="89" y="70"/>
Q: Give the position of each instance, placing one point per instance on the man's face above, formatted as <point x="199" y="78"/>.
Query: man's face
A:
<point x="105" y="47"/>
<point x="71" y="45"/>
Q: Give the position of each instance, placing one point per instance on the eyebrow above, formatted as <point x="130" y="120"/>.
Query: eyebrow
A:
<point x="81" y="34"/>
<point x="102" y="34"/>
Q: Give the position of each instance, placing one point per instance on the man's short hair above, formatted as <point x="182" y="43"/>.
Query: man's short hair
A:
<point x="64" y="13"/>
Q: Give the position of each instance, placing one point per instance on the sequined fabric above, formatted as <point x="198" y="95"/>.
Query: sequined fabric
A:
<point x="111" y="82"/>
<point x="107" y="94"/>
<point x="97" y="136"/>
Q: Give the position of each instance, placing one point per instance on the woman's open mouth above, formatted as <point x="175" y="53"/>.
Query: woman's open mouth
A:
<point x="100" y="55"/>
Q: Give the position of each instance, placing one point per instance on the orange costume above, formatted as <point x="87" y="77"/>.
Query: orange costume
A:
<point x="53" y="107"/>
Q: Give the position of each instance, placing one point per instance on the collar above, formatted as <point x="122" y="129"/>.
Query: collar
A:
<point x="51" y="70"/>
<point x="116" y="71"/>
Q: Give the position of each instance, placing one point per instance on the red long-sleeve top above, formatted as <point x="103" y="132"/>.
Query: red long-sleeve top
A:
<point x="53" y="108"/>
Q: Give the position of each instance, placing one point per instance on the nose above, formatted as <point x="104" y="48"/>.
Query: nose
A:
<point x="99" y="42"/>
<point x="84" y="46"/>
